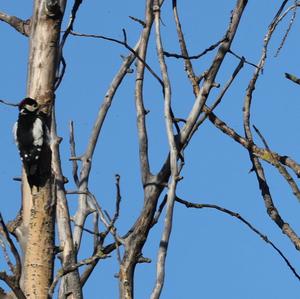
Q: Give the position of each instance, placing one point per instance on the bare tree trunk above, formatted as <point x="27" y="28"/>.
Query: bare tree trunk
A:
<point x="39" y="203"/>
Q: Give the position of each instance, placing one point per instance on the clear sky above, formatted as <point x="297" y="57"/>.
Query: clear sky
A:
<point x="211" y="255"/>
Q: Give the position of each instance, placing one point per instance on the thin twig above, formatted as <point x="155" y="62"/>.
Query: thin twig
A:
<point x="243" y="220"/>
<point x="184" y="52"/>
<point x="242" y="58"/>
<point x="72" y="18"/>
<point x="292" y="78"/>
<point x="293" y="18"/>
<point x="100" y="237"/>
<point x="211" y="74"/>
<point x="18" y="268"/>
<point x="159" y="210"/>
<point x="220" y="96"/>
<point x="89" y="268"/>
<point x="92" y="142"/>
<point x="141" y="22"/>
<point x="73" y="154"/>
<point x="125" y="44"/>
<point x="193" y="57"/>
<point x="8" y="103"/>
<point x="12" y="281"/>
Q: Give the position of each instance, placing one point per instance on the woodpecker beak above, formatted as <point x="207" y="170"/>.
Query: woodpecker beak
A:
<point x="22" y="111"/>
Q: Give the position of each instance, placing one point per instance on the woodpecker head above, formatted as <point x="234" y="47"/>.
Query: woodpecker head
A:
<point x="28" y="105"/>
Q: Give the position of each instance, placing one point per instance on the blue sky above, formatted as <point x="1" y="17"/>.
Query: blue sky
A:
<point x="211" y="255"/>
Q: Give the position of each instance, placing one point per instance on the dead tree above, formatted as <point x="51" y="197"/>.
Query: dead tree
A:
<point x="47" y="206"/>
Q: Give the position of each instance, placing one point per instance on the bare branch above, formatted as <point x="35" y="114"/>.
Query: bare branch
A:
<point x="270" y="207"/>
<point x="212" y="72"/>
<point x="8" y="103"/>
<point x="282" y="170"/>
<point x="118" y="200"/>
<point x="192" y="57"/>
<point x="6" y="255"/>
<point x="14" y="280"/>
<point x="73" y="154"/>
<point x="159" y="210"/>
<point x="89" y="268"/>
<point x="221" y="125"/>
<point x="220" y="96"/>
<point x="293" y="18"/>
<point x="262" y="61"/>
<point x="72" y="18"/>
<point x="243" y="220"/>
<point x="218" y="123"/>
<point x="139" y="102"/>
<point x="68" y="255"/>
<point x="63" y="271"/>
<point x="141" y="22"/>
<point x="163" y="248"/>
<point x="10" y="281"/>
<point x="87" y="157"/>
<point x="5" y="233"/>
<point x="110" y="228"/>
<point x="257" y="167"/>
<point x="187" y="62"/>
<point x="292" y="78"/>
<point x="125" y="44"/>
<point x="20" y="25"/>
<point x="242" y="58"/>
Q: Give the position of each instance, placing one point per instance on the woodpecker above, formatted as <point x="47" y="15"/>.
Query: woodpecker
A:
<point x="29" y="134"/>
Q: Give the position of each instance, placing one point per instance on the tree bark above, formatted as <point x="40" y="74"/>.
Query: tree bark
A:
<point x="39" y="202"/>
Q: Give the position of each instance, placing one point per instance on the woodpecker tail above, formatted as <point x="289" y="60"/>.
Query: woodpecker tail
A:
<point x="33" y="174"/>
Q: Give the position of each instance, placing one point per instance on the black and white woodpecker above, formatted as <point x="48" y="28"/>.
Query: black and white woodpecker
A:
<point x="29" y="134"/>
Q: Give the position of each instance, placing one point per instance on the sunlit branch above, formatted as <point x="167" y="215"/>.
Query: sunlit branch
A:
<point x="164" y="242"/>
<point x="20" y="25"/>
<point x="68" y="254"/>
<point x="83" y="208"/>
<point x="212" y="72"/>
<point x="219" y="97"/>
